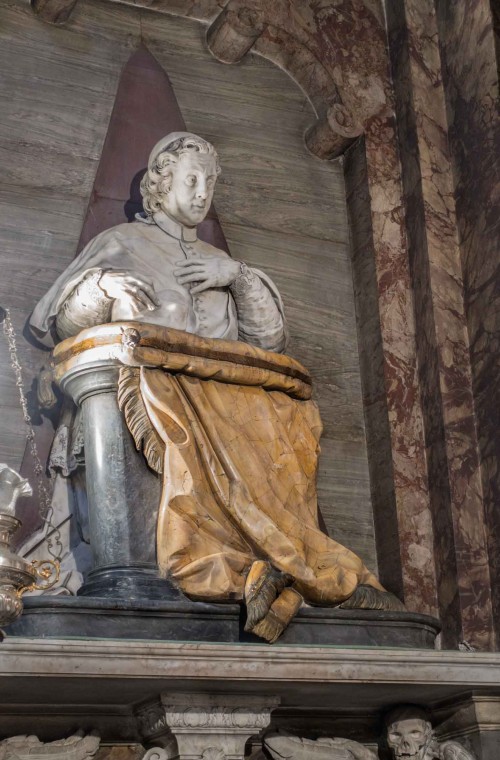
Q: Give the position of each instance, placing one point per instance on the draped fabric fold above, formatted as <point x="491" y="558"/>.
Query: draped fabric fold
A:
<point x="239" y="484"/>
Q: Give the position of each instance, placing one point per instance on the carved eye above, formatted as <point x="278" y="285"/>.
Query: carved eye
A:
<point x="191" y="180"/>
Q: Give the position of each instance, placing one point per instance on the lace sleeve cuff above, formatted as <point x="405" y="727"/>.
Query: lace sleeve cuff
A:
<point x="86" y="306"/>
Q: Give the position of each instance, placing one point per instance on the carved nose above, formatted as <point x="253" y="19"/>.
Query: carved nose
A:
<point x="201" y="191"/>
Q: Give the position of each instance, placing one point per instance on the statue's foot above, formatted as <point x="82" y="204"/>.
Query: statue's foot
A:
<point x="370" y="598"/>
<point x="281" y="613"/>
<point x="262" y="586"/>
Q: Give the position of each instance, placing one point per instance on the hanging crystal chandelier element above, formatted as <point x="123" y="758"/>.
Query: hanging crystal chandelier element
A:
<point x="17" y="576"/>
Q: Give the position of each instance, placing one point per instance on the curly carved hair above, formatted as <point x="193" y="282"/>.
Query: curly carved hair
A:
<point x="157" y="179"/>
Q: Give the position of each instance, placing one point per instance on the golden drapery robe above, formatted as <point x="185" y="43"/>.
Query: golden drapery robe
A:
<point x="236" y="435"/>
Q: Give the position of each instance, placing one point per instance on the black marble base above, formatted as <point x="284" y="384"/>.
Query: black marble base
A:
<point x="183" y="620"/>
<point x="129" y="582"/>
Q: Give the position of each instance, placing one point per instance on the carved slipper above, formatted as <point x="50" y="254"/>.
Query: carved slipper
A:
<point x="281" y="613"/>
<point x="262" y="586"/>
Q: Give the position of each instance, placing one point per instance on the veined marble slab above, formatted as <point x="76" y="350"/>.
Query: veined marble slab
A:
<point x="367" y="676"/>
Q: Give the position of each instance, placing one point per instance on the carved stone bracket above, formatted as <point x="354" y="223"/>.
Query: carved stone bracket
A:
<point x="204" y="726"/>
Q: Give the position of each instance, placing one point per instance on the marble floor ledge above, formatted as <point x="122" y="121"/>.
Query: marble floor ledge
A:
<point x="122" y="673"/>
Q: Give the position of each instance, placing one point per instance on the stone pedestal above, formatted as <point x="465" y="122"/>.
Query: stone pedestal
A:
<point x="123" y="493"/>
<point x="196" y="726"/>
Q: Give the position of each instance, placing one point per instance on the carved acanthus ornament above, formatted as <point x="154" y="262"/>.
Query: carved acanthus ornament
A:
<point x="219" y="717"/>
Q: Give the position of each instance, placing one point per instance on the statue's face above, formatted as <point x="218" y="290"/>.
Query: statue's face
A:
<point x="409" y="738"/>
<point x="192" y="188"/>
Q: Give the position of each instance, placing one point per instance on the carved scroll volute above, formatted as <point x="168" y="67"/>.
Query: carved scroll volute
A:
<point x="332" y="134"/>
<point x="233" y="33"/>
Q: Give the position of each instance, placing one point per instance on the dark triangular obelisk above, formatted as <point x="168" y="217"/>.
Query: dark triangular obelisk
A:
<point x="145" y="110"/>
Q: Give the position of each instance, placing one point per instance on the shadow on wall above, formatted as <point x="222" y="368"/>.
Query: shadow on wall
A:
<point x="133" y="205"/>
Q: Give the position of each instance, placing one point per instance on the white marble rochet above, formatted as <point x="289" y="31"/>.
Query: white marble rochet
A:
<point x="156" y="270"/>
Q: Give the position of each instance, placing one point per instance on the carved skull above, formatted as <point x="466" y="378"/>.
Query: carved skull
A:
<point x="410" y="734"/>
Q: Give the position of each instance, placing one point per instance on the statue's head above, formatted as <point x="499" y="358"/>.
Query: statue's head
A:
<point x="409" y="733"/>
<point x="180" y="178"/>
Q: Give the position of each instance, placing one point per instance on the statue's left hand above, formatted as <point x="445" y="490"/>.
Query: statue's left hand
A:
<point x="207" y="272"/>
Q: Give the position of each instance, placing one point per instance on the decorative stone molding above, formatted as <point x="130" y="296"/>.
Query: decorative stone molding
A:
<point x="217" y="716"/>
<point x="205" y="726"/>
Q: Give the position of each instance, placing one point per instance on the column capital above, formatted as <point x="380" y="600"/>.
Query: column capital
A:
<point x="206" y="726"/>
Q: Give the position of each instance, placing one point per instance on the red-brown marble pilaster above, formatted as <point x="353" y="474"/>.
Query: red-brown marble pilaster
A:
<point x="470" y="70"/>
<point x="371" y="358"/>
<point x="397" y="371"/>
<point x="388" y="368"/>
<point x="442" y="338"/>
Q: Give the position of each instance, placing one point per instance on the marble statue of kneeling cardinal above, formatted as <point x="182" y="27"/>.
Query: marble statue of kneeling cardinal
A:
<point x="232" y="430"/>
